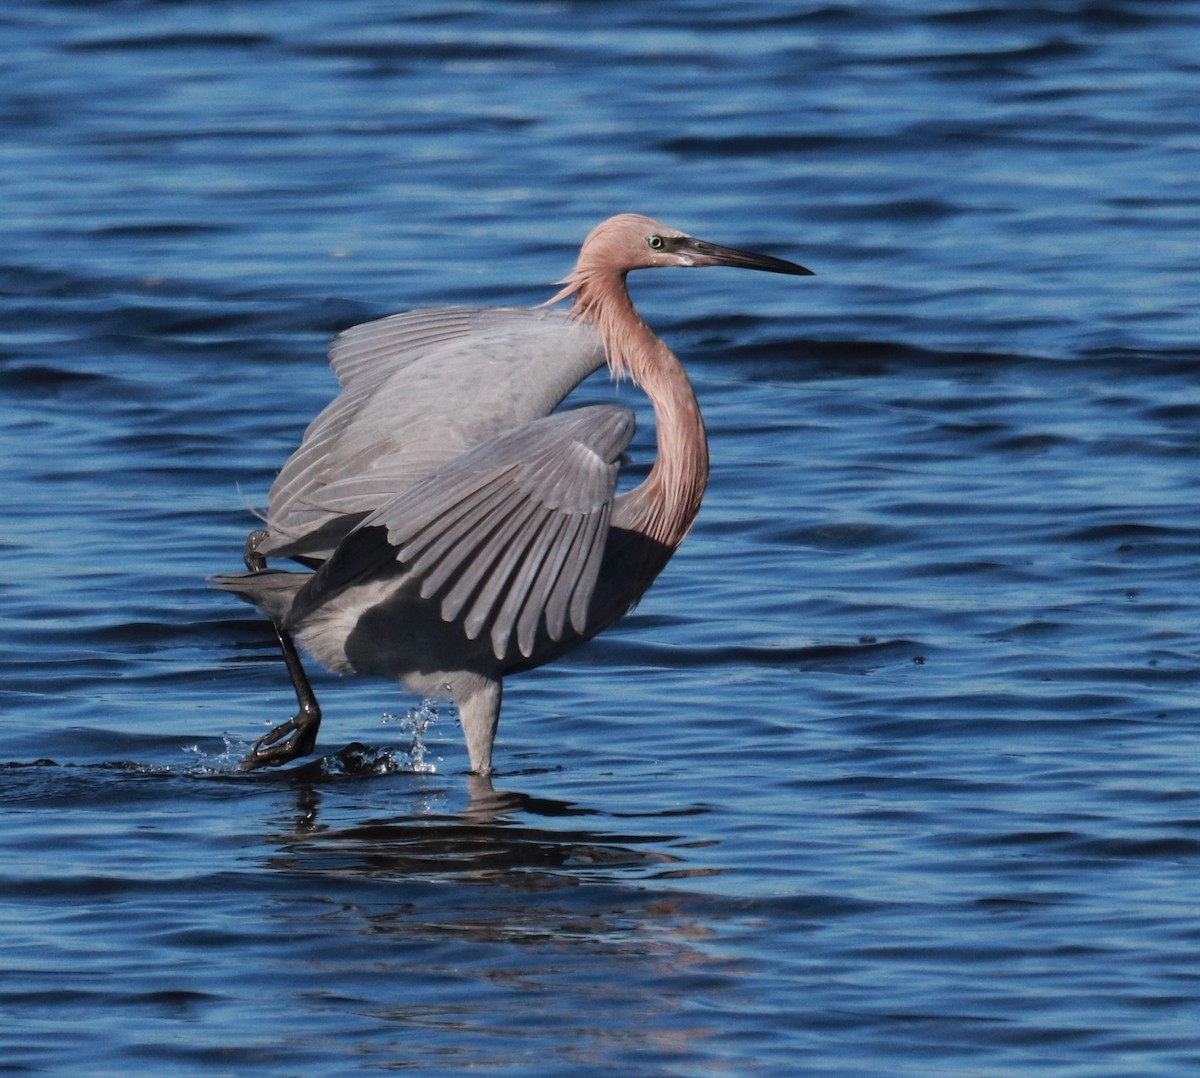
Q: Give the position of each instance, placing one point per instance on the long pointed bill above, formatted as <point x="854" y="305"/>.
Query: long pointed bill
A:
<point x="703" y="253"/>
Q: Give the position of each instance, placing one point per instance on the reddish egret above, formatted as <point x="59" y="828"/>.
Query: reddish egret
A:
<point x="460" y="529"/>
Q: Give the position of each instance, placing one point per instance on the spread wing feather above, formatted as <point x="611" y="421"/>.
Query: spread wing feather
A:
<point x="364" y="354"/>
<point x="553" y="588"/>
<point x="508" y="538"/>
<point x="590" y="552"/>
<point x="482" y="568"/>
<point x="474" y="515"/>
<point x="418" y="390"/>
<point x="547" y="555"/>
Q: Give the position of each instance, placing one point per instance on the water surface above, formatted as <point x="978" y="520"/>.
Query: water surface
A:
<point x="893" y="771"/>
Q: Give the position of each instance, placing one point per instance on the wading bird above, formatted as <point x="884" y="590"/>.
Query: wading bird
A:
<point x="459" y="529"/>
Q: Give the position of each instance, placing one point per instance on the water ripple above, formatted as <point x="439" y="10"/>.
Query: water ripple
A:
<point x="891" y="772"/>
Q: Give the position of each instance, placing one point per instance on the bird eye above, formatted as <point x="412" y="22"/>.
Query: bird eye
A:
<point x="654" y="242"/>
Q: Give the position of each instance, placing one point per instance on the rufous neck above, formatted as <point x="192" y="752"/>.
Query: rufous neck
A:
<point x="665" y="505"/>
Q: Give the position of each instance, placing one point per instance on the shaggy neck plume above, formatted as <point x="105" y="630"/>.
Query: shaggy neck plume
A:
<point x="665" y="505"/>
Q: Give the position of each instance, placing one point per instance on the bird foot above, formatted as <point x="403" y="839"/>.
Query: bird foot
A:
<point x="288" y="741"/>
<point x="255" y="561"/>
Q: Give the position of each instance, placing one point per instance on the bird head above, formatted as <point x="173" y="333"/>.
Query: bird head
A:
<point x="627" y="242"/>
<point x="630" y="241"/>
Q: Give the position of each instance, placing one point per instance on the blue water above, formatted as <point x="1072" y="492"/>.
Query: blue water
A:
<point x="894" y="771"/>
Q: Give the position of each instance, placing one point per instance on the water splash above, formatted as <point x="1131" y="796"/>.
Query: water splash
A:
<point x="204" y="763"/>
<point x="414" y="723"/>
<point x="353" y="760"/>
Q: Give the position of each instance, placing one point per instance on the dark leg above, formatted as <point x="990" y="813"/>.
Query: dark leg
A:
<point x="298" y="736"/>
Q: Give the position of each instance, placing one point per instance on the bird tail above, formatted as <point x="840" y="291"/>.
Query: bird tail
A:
<point x="272" y="590"/>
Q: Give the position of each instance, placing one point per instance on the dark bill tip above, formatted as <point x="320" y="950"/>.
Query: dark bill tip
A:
<point x="704" y="253"/>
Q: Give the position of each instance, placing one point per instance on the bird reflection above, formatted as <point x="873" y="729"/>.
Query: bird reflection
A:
<point x="497" y="833"/>
<point x="510" y="904"/>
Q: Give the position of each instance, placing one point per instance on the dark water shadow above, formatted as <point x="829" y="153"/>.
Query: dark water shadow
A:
<point x="322" y="819"/>
<point x="498" y="836"/>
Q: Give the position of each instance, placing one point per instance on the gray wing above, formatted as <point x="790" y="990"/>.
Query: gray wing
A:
<point x="418" y="390"/>
<point x="508" y="539"/>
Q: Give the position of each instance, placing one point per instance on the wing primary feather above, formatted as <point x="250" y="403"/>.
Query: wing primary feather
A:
<point x="556" y="543"/>
<point x="515" y="574"/>
<point x="505" y="552"/>
<point x="559" y="595"/>
<point x="466" y="518"/>
<point x="541" y="561"/>
<point x="446" y="559"/>
<point x="441" y="521"/>
<point x="501" y="540"/>
<point x="581" y="597"/>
